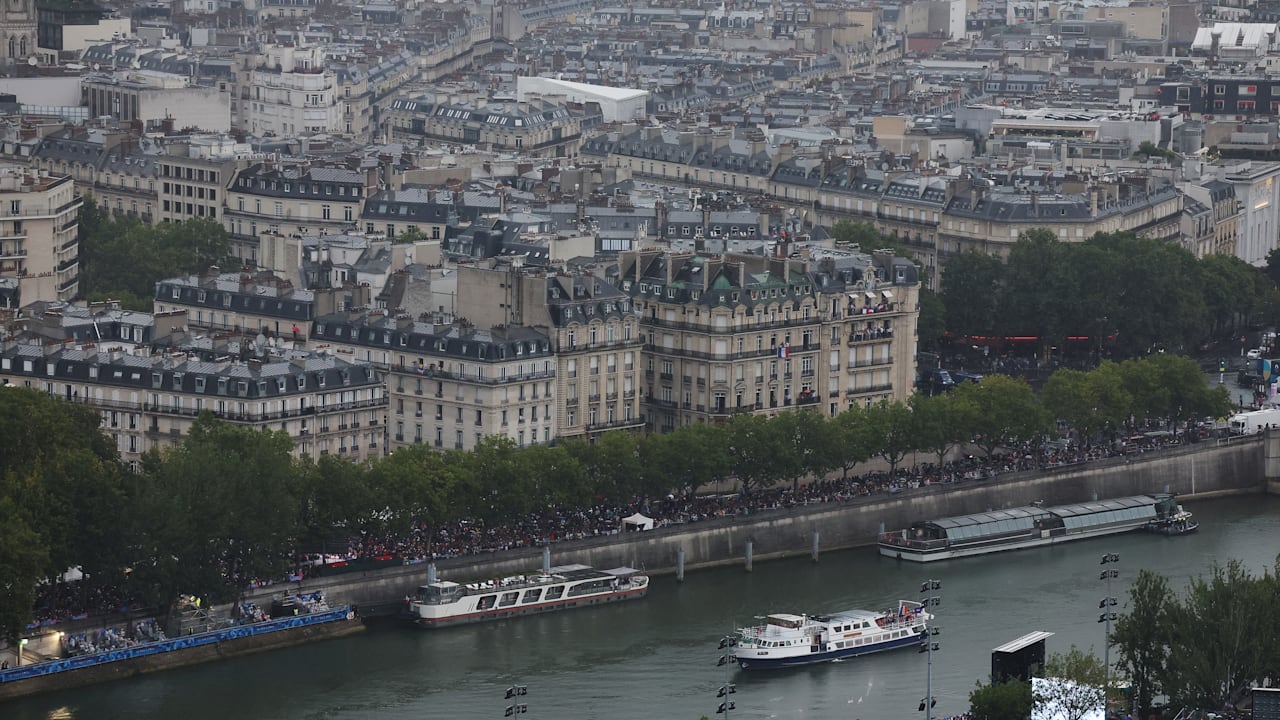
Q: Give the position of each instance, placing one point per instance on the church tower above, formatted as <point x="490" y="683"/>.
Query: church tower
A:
<point x="17" y="31"/>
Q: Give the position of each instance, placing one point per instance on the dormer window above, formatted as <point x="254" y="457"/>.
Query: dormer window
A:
<point x="302" y="381"/>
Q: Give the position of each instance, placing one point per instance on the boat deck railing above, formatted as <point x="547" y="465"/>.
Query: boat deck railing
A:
<point x="899" y="539"/>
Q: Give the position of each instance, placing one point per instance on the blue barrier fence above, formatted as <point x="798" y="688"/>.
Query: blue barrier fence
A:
<point x="213" y="637"/>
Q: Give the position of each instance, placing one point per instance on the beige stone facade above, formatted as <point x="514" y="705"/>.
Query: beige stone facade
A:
<point x="743" y="334"/>
<point x="39" y="223"/>
<point x="594" y="332"/>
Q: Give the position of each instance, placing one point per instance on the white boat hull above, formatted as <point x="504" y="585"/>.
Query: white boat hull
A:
<point x="475" y="616"/>
<point x="761" y="659"/>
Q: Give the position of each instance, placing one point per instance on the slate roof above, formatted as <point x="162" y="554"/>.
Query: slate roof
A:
<point x="497" y="344"/>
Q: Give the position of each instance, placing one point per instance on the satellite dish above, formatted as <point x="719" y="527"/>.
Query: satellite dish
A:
<point x="32" y="61"/>
<point x="96" y="67"/>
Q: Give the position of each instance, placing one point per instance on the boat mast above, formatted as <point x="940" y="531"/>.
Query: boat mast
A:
<point x="928" y="646"/>
<point x="727" y="660"/>
<point x="1108" y="614"/>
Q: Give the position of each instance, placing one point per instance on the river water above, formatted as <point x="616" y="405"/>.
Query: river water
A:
<point x="656" y="658"/>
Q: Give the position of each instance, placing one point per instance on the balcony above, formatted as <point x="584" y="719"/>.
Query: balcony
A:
<point x="750" y="326"/>
<point x="880" y="362"/>
<point x="473" y="380"/>
<point x="593" y="399"/>
<point x="866" y="336"/>
<point x="744" y="355"/>
<point x="810" y="399"/>
<point x="665" y="376"/>
<point x="635" y="422"/>
<point x="869" y="389"/>
<point x="571" y="402"/>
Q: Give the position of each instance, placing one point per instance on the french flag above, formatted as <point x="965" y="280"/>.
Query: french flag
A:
<point x="784" y="351"/>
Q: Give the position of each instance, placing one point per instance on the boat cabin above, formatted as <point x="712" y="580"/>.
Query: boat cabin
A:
<point x="440" y="593"/>
<point x="790" y="622"/>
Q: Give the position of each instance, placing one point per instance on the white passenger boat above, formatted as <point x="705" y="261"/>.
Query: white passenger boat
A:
<point x="788" y="640"/>
<point x="1023" y="527"/>
<point x="440" y="603"/>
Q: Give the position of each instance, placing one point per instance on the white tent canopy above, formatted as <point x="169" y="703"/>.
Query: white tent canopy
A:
<point x="637" y="522"/>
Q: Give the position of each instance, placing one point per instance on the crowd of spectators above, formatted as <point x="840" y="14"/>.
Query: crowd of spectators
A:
<point x="66" y="601"/>
<point x="473" y="537"/>
<point x="112" y="638"/>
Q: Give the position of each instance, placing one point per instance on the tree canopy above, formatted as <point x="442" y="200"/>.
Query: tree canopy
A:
<point x="1138" y="294"/>
<point x="121" y="258"/>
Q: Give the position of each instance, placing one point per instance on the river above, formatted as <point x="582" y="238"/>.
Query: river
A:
<point x="656" y="658"/>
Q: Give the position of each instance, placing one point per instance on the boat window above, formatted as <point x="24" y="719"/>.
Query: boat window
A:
<point x="486" y="602"/>
<point x="532" y="595"/>
<point x="508" y="599"/>
<point x="555" y="592"/>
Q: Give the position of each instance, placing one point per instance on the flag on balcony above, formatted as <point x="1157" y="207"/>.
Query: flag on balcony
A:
<point x="784" y="351"/>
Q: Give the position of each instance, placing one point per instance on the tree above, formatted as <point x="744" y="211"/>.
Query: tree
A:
<point x="854" y="439"/>
<point x="758" y="451"/>
<point x="1039" y="296"/>
<point x="940" y="422"/>
<point x="690" y="458"/>
<point x="122" y="258"/>
<point x="614" y="466"/>
<point x="23" y="561"/>
<point x="1004" y="410"/>
<point x="1215" y="642"/>
<point x="971" y="293"/>
<point x="894" y="425"/>
<point x="932" y="323"/>
<point x="1141" y="636"/>
<point x="412" y="235"/>
<point x="62" y="489"/>
<point x="804" y="443"/>
<point x="412" y="486"/>
<point x="1076" y="689"/>
<point x="863" y="234"/>
<point x="215" y="513"/>
<point x="1009" y="700"/>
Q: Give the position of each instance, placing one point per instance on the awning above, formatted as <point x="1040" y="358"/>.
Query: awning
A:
<point x="887" y="295"/>
<point x="853" y="296"/>
<point x="871" y="295"/>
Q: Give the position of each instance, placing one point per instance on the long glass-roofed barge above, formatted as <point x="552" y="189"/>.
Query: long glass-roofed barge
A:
<point x="1023" y="527"/>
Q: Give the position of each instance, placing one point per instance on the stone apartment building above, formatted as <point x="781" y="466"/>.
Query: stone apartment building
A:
<point x="325" y="404"/>
<point x="233" y="302"/>
<point x="194" y="175"/>
<point x="537" y="129"/>
<point x="450" y="386"/>
<point x="291" y="200"/>
<point x="39" y="222"/>
<point x="734" y="334"/>
<point x="594" y="334"/>
<point x="294" y="91"/>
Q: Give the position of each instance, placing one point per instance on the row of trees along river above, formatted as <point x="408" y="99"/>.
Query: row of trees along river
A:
<point x="230" y="505"/>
